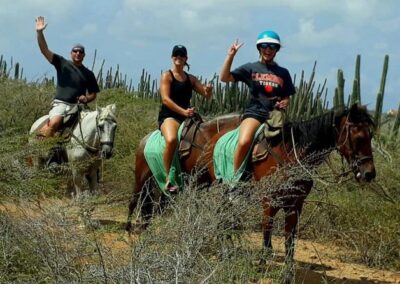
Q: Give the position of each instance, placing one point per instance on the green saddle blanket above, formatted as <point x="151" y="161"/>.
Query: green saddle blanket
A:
<point x="153" y="153"/>
<point x="223" y="156"/>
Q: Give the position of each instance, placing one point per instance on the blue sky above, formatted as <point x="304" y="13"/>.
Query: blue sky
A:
<point x="139" y="34"/>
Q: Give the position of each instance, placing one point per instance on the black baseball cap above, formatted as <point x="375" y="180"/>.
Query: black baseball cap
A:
<point x="179" y="50"/>
<point x="79" y="47"/>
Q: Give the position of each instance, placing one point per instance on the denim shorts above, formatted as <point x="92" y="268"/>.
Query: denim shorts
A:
<point x="257" y="111"/>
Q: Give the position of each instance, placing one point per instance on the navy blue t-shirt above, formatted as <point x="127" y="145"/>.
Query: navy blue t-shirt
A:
<point x="265" y="81"/>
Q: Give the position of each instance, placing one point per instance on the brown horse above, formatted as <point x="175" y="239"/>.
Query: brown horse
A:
<point x="348" y="131"/>
<point x="308" y="143"/>
<point x="195" y="161"/>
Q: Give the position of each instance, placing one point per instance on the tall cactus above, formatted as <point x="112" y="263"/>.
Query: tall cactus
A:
<point x="356" y="94"/>
<point x="340" y="90"/>
<point x="395" y="129"/>
<point x="16" y="71"/>
<point x="381" y="93"/>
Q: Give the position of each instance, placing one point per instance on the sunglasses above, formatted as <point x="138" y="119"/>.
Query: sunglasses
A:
<point x="78" y="51"/>
<point x="179" y="54"/>
<point x="272" y="46"/>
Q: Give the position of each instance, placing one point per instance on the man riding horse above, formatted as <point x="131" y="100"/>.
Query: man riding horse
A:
<point x="75" y="82"/>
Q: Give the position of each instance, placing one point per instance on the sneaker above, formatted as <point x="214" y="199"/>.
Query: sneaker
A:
<point x="171" y="188"/>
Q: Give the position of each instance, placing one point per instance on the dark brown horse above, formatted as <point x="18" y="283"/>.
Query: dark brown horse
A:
<point x="348" y="131"/>
<point x="195" y="161"/>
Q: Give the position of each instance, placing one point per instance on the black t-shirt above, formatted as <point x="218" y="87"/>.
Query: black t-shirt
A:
<point x="73" y="81"/>
<point x="265" y="82"/>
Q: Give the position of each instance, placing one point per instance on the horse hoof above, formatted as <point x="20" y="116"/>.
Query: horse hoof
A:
<point x="54" y="168"/>
<point x="128" y="227"/>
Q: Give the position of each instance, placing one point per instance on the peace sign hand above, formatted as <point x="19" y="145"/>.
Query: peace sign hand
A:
<point x="235" y="47"/>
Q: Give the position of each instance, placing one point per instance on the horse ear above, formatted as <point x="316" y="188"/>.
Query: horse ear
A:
<point x="112" y="107"/>
<point x="354" y="108"/>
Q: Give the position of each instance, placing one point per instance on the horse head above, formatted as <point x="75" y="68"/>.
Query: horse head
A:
<point x="106" y="127"/>
<point x="355" y="128"/>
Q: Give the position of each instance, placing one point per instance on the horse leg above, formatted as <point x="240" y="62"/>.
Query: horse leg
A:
<point x="140" y="191"/>
<point x="92" y="178"/>
<point x="77" y="178"/>
<point x="291" y="220"/>
<point x="132" y="206"/>
<point x="269" y="213"/>
<point x="292" y="215"/>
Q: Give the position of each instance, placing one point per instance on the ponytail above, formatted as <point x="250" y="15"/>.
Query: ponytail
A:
<point x="187" y="65"/>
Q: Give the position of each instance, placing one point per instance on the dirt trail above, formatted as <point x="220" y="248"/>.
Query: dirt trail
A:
<point x="315" y="262"/>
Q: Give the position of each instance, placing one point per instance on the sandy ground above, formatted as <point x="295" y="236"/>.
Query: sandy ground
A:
<point x="315" y="262"/>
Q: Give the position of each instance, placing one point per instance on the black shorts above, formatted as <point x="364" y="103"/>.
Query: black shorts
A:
<point x="177" y="117"/>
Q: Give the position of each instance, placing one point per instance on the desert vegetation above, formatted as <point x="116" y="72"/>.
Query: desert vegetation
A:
<point x="47" y="237"/>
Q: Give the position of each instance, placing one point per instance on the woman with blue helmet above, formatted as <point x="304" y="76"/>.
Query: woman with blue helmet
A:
<point x="270" y="87"/>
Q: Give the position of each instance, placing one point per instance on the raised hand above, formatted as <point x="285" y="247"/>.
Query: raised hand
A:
<point x="40" y="23"/>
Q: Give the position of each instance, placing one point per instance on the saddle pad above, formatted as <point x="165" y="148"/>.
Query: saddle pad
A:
<point x="153" y="153"/>
<point x="223" y="156"/>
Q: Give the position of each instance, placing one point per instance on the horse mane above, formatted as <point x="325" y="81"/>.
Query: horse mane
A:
<point x="320" y="132"/>
<point x="314" y="132"/>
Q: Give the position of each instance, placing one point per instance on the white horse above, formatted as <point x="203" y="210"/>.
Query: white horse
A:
<point x="92" y="140"/>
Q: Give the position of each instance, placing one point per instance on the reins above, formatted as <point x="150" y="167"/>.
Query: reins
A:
<point x="90" y="149"/>
<point x="324" y="179"/>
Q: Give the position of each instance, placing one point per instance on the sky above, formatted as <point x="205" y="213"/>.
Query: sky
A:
<point x="140" y="34"/>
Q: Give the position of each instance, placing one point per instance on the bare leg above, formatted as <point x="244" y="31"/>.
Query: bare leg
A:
<point x="247" y="129"/>
<point x="52" y="126"/>
<point x="169" y="130"/>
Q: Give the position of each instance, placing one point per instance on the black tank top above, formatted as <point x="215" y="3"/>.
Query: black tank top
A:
<point x="180" y="93"/>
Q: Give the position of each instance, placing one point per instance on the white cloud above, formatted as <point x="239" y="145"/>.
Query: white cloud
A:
<point x="140" y="33"/>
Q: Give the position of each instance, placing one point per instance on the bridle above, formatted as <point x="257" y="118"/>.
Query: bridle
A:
<point x="93" y="150"/>
<point x="110" y="142"/>
<point x="355" y="160"/>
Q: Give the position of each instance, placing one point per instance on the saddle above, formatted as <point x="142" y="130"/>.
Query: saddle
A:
<point x="190" y="128"/>
<point x="70" y="120"/>
<point x="57" y="154"/>
<point x="270" y="137"/>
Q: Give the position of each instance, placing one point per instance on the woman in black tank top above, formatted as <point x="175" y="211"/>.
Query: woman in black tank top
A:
<point x="176" y="88"/>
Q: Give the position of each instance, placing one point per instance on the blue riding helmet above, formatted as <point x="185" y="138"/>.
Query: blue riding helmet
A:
<point x="268" y="37"/>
